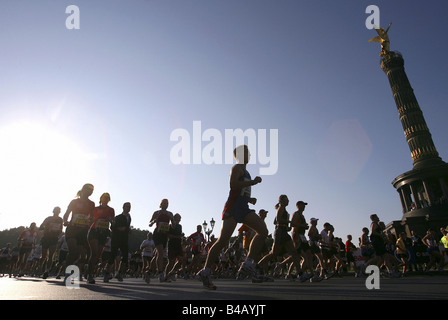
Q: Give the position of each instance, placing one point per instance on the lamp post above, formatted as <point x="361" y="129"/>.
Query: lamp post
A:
<point x="208" y="232"/>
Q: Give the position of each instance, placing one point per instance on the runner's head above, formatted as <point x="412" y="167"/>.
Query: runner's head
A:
<point x="262" y="213"/>
<point x="300" y="205"/>
<point x="127" y="207"/>
<point x="242" y="154"/>
<point x="86" y="191"/>
<point x="105" y="198"/>
<point x="163" y="204"/>
<point x="282" y="200"/>
<point x="177" y="217"/>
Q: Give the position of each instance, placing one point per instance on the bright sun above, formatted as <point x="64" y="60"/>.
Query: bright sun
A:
<point x="39" y="169"/>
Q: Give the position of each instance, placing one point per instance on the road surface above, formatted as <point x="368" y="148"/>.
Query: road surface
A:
<point x="408" y="288"/>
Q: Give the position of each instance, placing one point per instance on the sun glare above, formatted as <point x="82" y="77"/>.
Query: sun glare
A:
<point x="39" y="168"/>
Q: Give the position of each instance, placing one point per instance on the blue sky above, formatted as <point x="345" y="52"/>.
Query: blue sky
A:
<point x="98" y="104"/>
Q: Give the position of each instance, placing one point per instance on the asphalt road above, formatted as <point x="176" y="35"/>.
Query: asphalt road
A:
<point x="416" y="287"/>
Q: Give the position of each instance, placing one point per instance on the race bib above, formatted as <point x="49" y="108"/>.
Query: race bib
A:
<point x="164" y="227"/>
<point x="102" y="224"/>
<point x="246" y="191"/>
<point x="81" y="220"/>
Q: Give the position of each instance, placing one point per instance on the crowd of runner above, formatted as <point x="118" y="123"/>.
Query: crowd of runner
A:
<point x="320" y="253"/>
<point x="96" y="240"/>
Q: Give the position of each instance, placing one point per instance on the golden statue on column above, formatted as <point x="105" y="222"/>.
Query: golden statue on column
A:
<point x="383" y="39"/>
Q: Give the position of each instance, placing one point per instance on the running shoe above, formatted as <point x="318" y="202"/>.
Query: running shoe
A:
<point x="262" y="278"/>
<point x="247" y="269"/>
<point x="162" y="278"/>
<point x="147" y="277"/>
<point x="205" y="276"/>
<point x="107" y="277"/>
<point x="289" y="278"/>
<point x="316" y="278"/>
<point x="305" y="277"/>
<point x="90" y="279"/>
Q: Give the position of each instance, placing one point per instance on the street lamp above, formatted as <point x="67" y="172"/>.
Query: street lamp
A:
<point x="208" y="232"/>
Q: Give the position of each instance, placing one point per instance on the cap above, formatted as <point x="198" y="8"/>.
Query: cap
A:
<point x="301" y="202"/>
<point x="263" y="211"/>
<point x="314" y="219"/>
